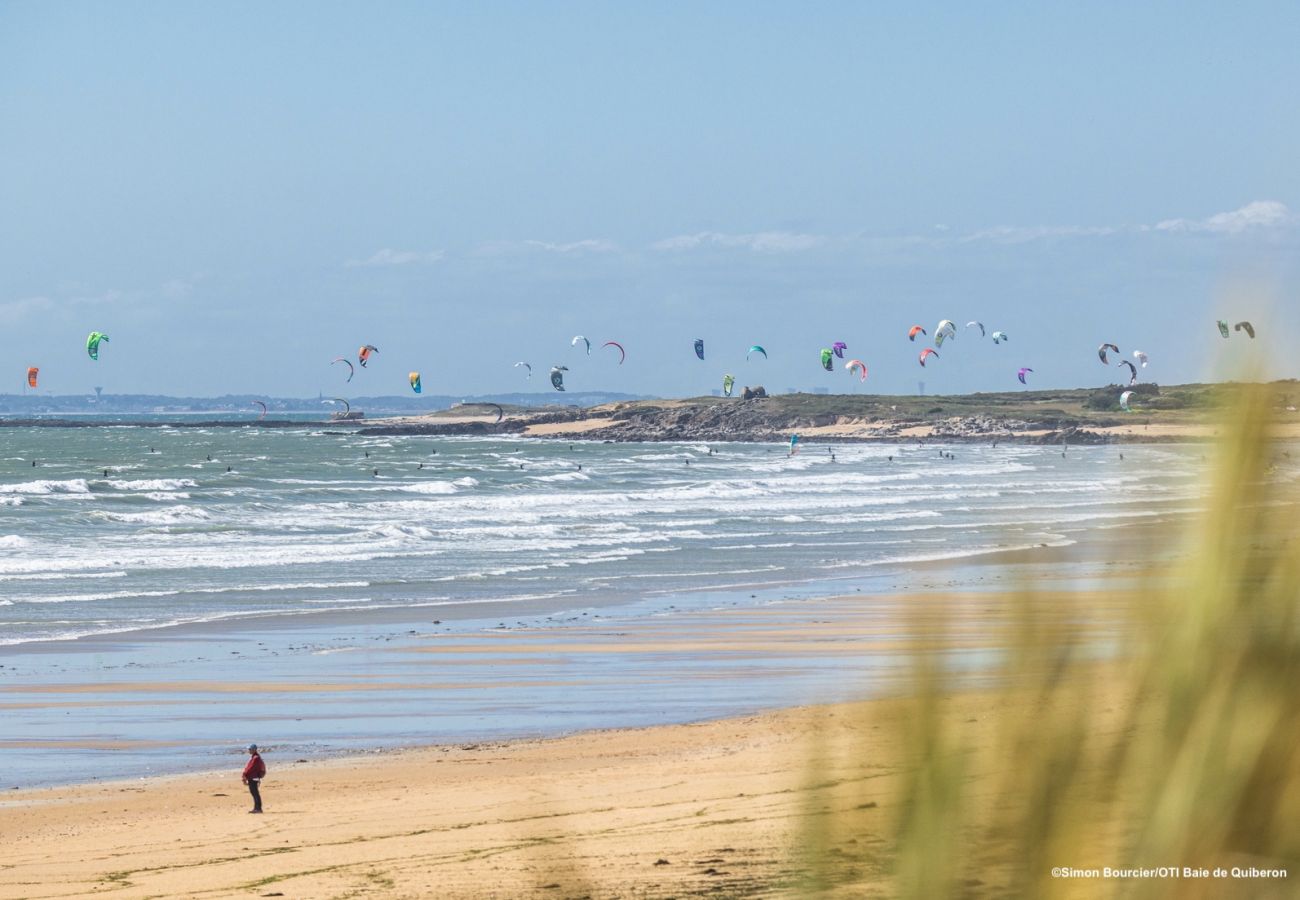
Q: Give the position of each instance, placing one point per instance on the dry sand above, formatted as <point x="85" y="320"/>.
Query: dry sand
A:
<point x="579" y="426"/>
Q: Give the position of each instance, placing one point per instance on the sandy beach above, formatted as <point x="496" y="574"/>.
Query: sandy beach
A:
<point x="705" y="809"/>
<point x="674" y="810"/>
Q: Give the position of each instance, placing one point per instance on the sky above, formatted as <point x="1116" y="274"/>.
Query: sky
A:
<point x="236" y="193"/>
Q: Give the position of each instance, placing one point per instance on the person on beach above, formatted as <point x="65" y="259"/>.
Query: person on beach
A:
<point x="254" y="772"/>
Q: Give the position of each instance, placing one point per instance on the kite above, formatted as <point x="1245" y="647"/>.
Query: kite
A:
<point x="578" y="337"/>
<point x="755" y="349"/>
<point x="974" y="324"/>
<point x="557" y="377"/>
<point x="728" y="382"/>
<point x="31" y="376"/>
<point x="93" y="341"/>
<point x="347" y="362"/>
<point x="1140" y="357"/>
<point x="1223" y="328"/>
<point x="914" y="331"/>
<point x="622" y="354"/>
<point x="1240" y="326"/>
<point x="1101" y="353"/>
<point x="414" y="378"/>
<point x="828" y="360"/>
<point x="263" y="405"/>
<point x="857" y="364"/>
<point x="944" y="331"/>
<point x="838" y="348"/>
<point x="1123" y="401"/>
<point x="1021" y="375"/>
<point x="927" y="352"/>
<point x="526" y="366"/>
<point x="1000" y="336"/>
<point x="363" y="355"/>
<point x="699" y="347"/>
<point x="1132" y="372"/>
<point x="347" y="407"/>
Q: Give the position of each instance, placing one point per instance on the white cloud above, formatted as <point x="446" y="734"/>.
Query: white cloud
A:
<point x="16" y="310"/>
<point x="1017" y="234"/>
<point x="390" y="257"/>
<point x="591" y="245"/>
<point x="1258" y="214"/>
<point x="758" y="242"/>
<point x="112" y="295"/>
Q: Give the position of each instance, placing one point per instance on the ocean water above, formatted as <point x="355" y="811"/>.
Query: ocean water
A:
<point x="204" y="525"/>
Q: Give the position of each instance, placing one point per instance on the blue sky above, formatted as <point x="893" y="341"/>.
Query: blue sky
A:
<point x="237" y="193"/>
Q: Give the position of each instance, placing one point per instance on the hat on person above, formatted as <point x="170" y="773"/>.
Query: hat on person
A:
<point x="252" y="748"/>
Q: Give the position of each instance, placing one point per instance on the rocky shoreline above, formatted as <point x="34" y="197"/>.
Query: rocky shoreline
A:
<point x="756" y="421"/>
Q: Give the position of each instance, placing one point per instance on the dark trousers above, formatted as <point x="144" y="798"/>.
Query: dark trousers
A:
<point x="253" y="788"/>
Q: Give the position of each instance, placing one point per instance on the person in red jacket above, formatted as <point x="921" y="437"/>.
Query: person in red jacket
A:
<point x="253" y="774"/>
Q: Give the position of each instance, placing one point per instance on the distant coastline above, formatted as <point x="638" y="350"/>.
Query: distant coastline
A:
<point x="1074" y="416"/>
<point x="1077" y="416"/>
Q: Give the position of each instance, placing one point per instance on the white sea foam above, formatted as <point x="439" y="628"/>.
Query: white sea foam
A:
<point x="171" y="515"/>
<point x="43" y="486"/>
<point x="233" y="589"/>
<point x="430" y="487"/>
<point x="563" y="476"/>
<point x="151" y="484"/>
<point x="60" y="576"/>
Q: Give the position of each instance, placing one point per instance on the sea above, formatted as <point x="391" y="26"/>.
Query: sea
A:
<point x="169" y="594"/>
<point x="121" y="529"/>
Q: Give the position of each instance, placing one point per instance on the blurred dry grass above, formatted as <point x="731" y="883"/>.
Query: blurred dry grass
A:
<point x="1186" y="753"/>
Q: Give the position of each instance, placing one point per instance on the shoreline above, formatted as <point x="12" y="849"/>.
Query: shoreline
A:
<point x="169" y="700"/>
<point x="457" y="611"/>
<point x="1085" y="544"/>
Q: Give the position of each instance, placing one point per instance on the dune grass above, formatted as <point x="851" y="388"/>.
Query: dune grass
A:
<point x="1202" y="770"/>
